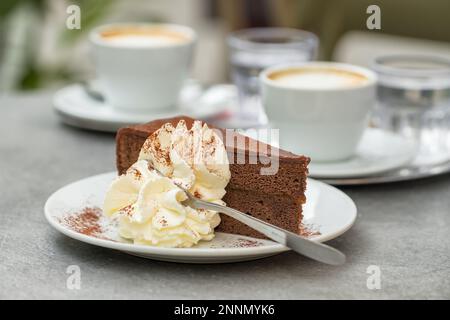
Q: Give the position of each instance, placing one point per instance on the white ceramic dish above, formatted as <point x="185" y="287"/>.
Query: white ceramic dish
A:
<point x="328" y="211"/>
<point x="378" y="151"/>
<point x="77" y="108"/>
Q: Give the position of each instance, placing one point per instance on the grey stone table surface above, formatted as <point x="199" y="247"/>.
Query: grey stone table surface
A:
<point x="402" y="228"/>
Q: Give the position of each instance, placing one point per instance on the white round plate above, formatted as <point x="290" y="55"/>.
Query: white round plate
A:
<point x="77" y="108"/>
<point x="378" y="151"/>
<point x="328" y="211"/>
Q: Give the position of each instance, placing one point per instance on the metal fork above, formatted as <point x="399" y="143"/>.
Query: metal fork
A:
<point x="311" y="249"/>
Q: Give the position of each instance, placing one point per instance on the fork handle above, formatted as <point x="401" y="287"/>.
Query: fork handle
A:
<point x="311" y="249"/>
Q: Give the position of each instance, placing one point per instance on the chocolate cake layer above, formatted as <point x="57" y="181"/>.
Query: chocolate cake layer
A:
<point x="275" y="198"/>
<point x="282" y="211"/>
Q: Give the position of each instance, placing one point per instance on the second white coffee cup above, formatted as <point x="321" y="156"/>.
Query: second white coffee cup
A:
<point x="142" y="67"/>
<point x="320" y="108"/>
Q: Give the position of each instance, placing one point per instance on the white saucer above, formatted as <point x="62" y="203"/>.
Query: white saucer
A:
<point x="77" y="108"/>
<point x="379" y="151"/>
<point x="328" y="211"/>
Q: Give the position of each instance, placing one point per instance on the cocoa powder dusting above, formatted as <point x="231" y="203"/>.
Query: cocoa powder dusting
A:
<point x="197" y="194"/>
<point x="246" y="243"/>
<point x="85" y="221"/>
<point x="164" y="222"/>
<point x="128" y="210"/>
<point x="136" y="173"/>
<point x="308" y="231"/>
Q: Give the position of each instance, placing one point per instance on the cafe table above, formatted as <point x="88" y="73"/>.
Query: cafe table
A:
<point x="399" y="247"/>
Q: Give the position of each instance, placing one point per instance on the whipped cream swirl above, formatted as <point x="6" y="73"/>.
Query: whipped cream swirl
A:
<point x="149" y="206"/>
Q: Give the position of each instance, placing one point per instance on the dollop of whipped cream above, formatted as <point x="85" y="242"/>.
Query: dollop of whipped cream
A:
<point x="149" y="206"/>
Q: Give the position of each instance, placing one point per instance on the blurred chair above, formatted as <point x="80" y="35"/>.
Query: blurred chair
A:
<point x="361" y="47"/>
<point x="331" y="19"/>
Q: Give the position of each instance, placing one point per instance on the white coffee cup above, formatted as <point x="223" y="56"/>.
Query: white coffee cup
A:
<point x="320" y="108"/>
<point x="142" y="66"/>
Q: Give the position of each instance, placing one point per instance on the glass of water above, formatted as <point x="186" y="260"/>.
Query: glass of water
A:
<point x="414" y="100"/>
<point x="251" y="51"/>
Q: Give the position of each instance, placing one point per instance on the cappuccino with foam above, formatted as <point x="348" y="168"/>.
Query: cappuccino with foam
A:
<point x="142" y="66"/>
<point x="142" y="36"/>
<point x="320" y="108"/>
<point x="317" y="78"/>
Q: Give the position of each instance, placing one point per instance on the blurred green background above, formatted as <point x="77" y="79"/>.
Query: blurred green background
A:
<point x="38" y="51"/>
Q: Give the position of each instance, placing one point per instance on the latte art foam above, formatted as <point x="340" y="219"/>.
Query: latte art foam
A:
<point x="318" y="78"/>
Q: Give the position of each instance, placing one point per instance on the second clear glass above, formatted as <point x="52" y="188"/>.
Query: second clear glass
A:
<point x="414" y="101"/>
<point x="252" y="50"/>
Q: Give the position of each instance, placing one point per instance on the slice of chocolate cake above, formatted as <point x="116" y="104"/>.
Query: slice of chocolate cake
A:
<point x="266" y="182"/>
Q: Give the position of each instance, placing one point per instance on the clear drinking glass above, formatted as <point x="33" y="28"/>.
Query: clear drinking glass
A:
<point x="414" y="100"/>
<point x="252" y="50"/>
